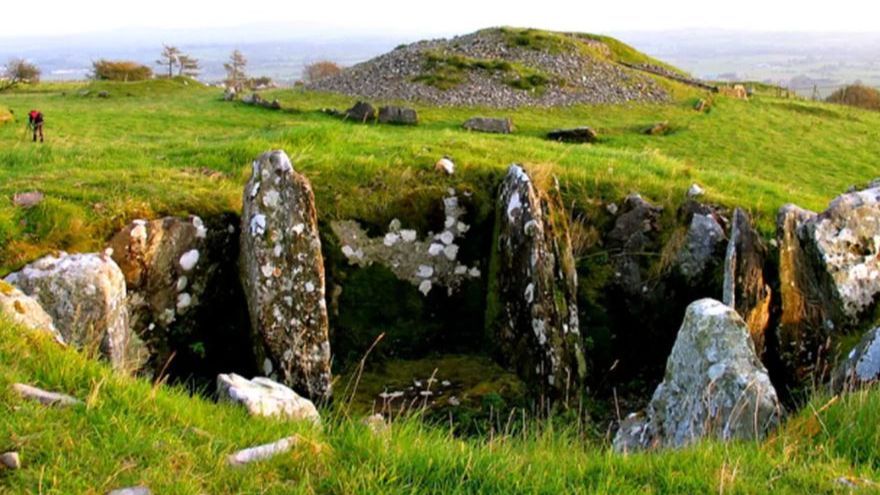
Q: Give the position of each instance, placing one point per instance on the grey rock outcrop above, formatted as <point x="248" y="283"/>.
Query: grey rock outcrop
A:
<point x="532" y="309"/>
<point x="264" y="397"/>
<point x="862" y="365"/>
<point x="745" y="288"/>
<point x="485" y="124"/>
<point x="575" y="135"/>
<point x="361" y="112"/>
<point x="398" y="115"/>
<point x="85" y="295"/>
<point x="178" y="276"/>
<point x="702" y="248"/>
<point x="26" y="311"/>
<point x="715" y="386"/>
<point x="635" y="229"/>
<point x="282" y="272"/>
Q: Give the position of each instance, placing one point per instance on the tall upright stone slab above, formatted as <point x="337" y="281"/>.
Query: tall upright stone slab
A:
<point x="282" y="272"/>
<point x="532" y="310"/>
<point x="86" y="297"/>
<point x="745" y="289"/>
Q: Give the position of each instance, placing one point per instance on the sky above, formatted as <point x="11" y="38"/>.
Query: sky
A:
<point x="61" y="17"/>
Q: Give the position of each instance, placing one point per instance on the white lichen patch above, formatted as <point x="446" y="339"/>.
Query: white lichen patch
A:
<point x="258" y="225"/>
<point x="189" y="259"/>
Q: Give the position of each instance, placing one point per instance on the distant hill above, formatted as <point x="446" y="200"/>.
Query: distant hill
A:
<point x="508" y="67"/>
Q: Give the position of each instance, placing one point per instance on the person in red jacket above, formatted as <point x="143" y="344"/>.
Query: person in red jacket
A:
<point x="35" y="122"/>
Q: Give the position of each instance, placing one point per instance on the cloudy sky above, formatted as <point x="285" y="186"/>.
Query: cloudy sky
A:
<point x="59" y="17"/>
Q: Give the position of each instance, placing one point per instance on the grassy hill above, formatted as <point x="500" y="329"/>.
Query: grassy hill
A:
<point x="165" y="147"/>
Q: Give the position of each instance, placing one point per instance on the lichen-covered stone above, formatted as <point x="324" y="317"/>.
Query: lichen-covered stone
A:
<point x="264" y="397"/>
<point x="635" y="230"/>
<point x="715" y="386"/>
<point x="532" y="310"/>
<point x="745" y="288"/>
<point x="282" y="272"/>
<point x="862" y="364"/>
<point x="490" y="125"/>
<point x="398" y="115"/>
<point x="426" y="263"/>
<point x="702" y="248"/>
<point x="25" y="310"/>
<point x="181" y="280"/>
<point x="86" y="297"/>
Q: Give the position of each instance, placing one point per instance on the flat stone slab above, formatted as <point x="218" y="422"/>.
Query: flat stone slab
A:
<point x="484" y="124"/>
<point x="264" y="397"/>
<point x="576" y="135"/>
<point x="44" y="396"/>
<point x="398" y="115"/>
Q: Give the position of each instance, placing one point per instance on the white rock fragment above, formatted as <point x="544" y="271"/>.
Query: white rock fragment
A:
<point x="408" y="235"/>
<point x="391" y="239"/>
<point x="451" y="252"/>
<point x="262" y="452"/>
<point x="201" y="230"/>
<point x="445" y="165"/>
<point x="425" y="271"/>
<point x="299" y="228"/>
<point x="132" y="490"/>
<point x="183" y="302"/>
<point x="264" y="397"/>
<point x="10" y="460"/>
<point x="43" y="396"/>
<point x="434" y="249"/>
<point x="447" y="237"/>
<point x="425" y="287"/>
<point x="258" y="225"/>
<point x="695" y="191"/>
<point x="182" y="282"/>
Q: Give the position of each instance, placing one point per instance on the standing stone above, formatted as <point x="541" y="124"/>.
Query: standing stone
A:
<point x="283" y="275"/>
<point x="485" y="124"/>
<point x="26" y="311"/>
<point x="398" y="115"/>
<point x="532" y="309"/>
<point x="715" y="386"/>
<point x="745" y="289"/>
<point x="85" y="295"/>
<point x="181" y="282"/>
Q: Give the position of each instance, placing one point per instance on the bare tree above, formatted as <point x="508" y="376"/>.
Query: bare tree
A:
<point x="170" y="57"/>
<point x="18" y="71"/>
<point x="188" y="66"/>
<point x="235" y="74"/>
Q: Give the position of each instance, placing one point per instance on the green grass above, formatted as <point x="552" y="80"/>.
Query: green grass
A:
<point x="131" y="432"/>
<point x="448" y="71"/>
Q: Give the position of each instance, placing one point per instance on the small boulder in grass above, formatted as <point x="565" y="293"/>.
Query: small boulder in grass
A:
<point x="659" y="129"/>
<point x="10" y="460"/>
<point x="445" y="165"/>
<point x="133" y="490"/>
<point x="27" y="199"/>
<point x="264" y="397"/>
<point x="575" y="135"/>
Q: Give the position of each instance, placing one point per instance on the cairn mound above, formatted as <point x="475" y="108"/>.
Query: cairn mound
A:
<point x="504" y="68"/>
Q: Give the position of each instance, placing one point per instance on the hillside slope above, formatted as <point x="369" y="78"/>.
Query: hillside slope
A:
<point x="505" y="67"/>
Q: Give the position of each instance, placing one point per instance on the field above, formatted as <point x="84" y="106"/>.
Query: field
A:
<point x="174" y="147"/>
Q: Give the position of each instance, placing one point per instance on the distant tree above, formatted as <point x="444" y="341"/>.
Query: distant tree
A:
<point x="18" y="71"/>
<point x="188" y="66"/>
<point x="261" y="82"/>
<point x="120" y="70"/>
<point x="321" y="69"/>
<point x="170" y="58"/>
<point x="235" y="74"/>
<point x="857" y="95"/>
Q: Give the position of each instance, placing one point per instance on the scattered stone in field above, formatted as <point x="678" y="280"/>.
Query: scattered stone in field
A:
<point x="702" y="105"/>
<point x="27" y="199"/>
<point x="446" y="165"/>
<point x="361" y="112"/>
<point x="535" y="320"/>
<point x="26" y="311"/>
<point x="695" y="191"/>
<point x="862" y="365"/>
<point x="283" y="274"/>
<point x="398" y="115"/>
<point x="576" y="135"/>
<point x="632" y="434"/>
<point x="715" y="386"/>
<point x="333" y="112"/>
<point x="44" y="397"/>
<point x="133" y="490"/>
<point x="852" y="483"/>
<point x="262" y="452"/>
<point x="257" y="100"/>
<point x="85" y="295"/>
<point x="229" y="94"/>
<point x="376" y="423"/>
<point x="738" y="91"/>
<point x="635" y="229"/>
<point x="264" y="397"/>
<point x="659" y="129"/>
<point x="485" y="124"/>
<point x="104" y="94"/>
<point x="423" y="263"/>
<point x="703" y="248"/>
<point x="745" y="288"/>
<point x="612" y="208"/>
<point x="10" y="460"/>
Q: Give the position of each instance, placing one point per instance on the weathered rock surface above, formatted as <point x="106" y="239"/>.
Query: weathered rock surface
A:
<point x="361" y="112"/>
<point x="658" y="129"/>
<point x="425" y="263"/>
<point x="132" y="490"/>
<point x="703" y="247"/>
<point x="445" y="165"/>
<point x="532" y="308"/>
<point x="862" y="364"/>
<point x="485" y="124"/>
<point x="715" y="386"/>
<point x="229" y="94"/>
<point x="25" y="310"/>
<point x="86" y="297"/>
<point x="27" y="199"/>
<point x="44" y="396"/>
<point x="635" y="229"/>
<point x="398" y="115"/>
<point x="745" y="288"/>
<point x="262" y="452"/>
<point x="182" y="287"/>
<point x="10" y="460"/>
<point x="264" y="397"/>
<point x="576" y="135"/>
<point x="695" y="191"/>
<point x="282" y="272"/>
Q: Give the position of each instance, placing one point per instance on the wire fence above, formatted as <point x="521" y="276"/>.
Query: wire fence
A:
<point x="813" y="92"/>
